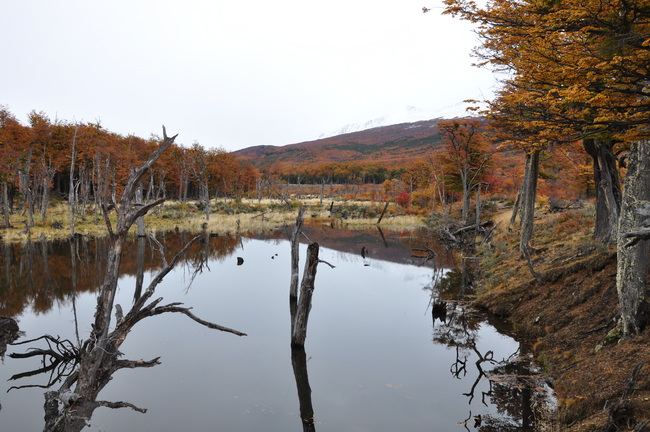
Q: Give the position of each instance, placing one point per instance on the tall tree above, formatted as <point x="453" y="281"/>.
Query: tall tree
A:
<point x="13" y="138"/>
<point x="466" y="151"/>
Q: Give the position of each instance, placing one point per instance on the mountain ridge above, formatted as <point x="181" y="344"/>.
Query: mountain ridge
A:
<point x="392" y="146"/>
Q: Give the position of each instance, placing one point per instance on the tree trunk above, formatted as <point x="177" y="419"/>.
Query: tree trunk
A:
<point x="140" y="221"/>
<point x="206" y="199"/>
<point x="48" y="175"/>
<point x="633" y="256"/>
<point x="608" y="188"/>
<point x="528" y="197"/>
<point x="295" y="271"/>
<point x="478" y="206"/>
<point x="381" y="216"/>
<point x="71" y="191"/>
<point x="465" y="208"/>
<point x="515" y="208"/>
<point x="295" y="253"/>
<point x="299" y="333"/>
<point x="5" y="204"/>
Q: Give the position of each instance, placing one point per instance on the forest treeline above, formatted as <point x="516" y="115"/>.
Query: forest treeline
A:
<point x="44" y="158"/>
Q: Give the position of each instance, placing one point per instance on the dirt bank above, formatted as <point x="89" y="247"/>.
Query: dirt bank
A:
<point x="567" y="316"/>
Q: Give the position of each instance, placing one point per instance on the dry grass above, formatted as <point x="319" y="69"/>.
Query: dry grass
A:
<point x="226" y="216"/>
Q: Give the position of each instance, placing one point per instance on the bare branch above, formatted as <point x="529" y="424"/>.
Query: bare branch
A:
<point x="325" y="262"/>
<point x="107" y="221"/>
<point x="132" y="364"/>
<point x="159" y="277"/>
<point x="160" y="248"/>
<point x="636" y="236"/>
<point x="120" y="404"/>
<point x="186" y="311"/>
<point x="141" y="211"/>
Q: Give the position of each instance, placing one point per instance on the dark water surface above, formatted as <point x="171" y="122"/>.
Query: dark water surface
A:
<point x="376" y="360"/>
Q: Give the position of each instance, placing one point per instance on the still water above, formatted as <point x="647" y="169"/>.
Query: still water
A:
<point x="376" y="359"/>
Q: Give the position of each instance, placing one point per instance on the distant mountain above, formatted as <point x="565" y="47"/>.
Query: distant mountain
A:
<point x="408" y="114"/>
<point x="393" y="146"/>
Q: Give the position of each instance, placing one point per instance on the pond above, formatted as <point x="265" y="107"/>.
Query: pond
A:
<point x="376" y="358"/>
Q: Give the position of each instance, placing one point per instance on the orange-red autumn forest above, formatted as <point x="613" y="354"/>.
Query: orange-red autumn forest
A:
<point x="38" y="159"/>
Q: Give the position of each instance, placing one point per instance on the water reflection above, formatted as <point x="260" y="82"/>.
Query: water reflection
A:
<point x="299" y="364"/>
<point x="372" y="363"/>
<point x="83" y="370"/>
<point x="509" y="381"/>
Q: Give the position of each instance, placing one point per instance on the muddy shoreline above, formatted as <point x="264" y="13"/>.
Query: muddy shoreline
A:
<point x="570" y="320"/>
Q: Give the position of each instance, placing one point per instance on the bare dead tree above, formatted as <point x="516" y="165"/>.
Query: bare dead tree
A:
<point x="71" y="192"/>
<point x="70" y="407"/>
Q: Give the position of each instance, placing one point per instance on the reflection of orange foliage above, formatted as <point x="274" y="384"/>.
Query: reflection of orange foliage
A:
<point x="39" y="274"/>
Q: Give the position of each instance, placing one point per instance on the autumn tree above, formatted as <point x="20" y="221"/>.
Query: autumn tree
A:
<point x="579" y="69"/>
<point x="13" y="139"/>
<point x="466" y="152"/>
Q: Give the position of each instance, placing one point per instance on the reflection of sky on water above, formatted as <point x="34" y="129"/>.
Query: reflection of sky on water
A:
<point x="372" y="365"/>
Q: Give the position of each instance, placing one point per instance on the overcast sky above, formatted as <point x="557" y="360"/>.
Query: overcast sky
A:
<point x="234" y="74"/>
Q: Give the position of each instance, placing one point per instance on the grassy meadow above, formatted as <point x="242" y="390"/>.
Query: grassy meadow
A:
<point x="226" y="216"/>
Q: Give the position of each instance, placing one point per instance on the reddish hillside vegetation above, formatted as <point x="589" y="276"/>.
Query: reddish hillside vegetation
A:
<point x="391" y="146"/>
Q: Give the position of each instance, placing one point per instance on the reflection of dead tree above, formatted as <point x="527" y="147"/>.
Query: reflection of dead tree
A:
<point x="69" y="409"/>
<point x="299" y="363"/>
<point x="59" y="359"/>
<point x="488" y="357"/>
<point x="459" y="367"/>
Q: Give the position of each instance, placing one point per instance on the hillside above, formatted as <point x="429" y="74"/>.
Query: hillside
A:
<point x="390" y="146"/>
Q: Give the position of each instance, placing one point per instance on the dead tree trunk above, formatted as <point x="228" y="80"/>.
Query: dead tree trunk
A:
<point x="5" y="204"/>
<point x="71" y="191"/>
<point x="68" y="410"/>
<point x="299" y="333"/>
<point x="633" y="244"/>
<point x="383" y="212"/>
<point x="295" y="259"/>
<point x="140" y="220"/>
<point x="515" y="208"/>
